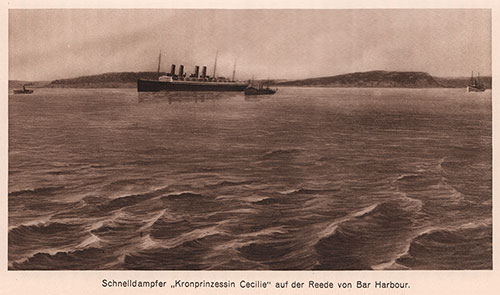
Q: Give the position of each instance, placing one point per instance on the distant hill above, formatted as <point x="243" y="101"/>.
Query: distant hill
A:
<point x="371" y="79"/>
<point x="29" y="84"/>
<point x="359" y="79"/>
<point x="107" y="80"/>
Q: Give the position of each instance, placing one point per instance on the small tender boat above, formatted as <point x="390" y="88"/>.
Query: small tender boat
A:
<point x="250" y="90"/>
<point x="259" y="91"/>
<point x="23" y="91"/>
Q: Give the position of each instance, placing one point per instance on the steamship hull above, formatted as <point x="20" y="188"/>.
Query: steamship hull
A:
<point x="144" y="85"/>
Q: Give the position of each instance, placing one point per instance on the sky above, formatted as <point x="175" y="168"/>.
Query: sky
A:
<point x="48" y="44"/>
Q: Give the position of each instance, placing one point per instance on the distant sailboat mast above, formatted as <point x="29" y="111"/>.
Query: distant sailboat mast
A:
<point x="159" y="63"/>
<point x="234" y="70"/>
<point x="215" y="63"/>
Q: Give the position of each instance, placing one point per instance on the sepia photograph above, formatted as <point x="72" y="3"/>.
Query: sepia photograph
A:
<point x="250" y="139"/>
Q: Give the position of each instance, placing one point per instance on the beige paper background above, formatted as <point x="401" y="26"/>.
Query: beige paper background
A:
<point x="89" y="282"/>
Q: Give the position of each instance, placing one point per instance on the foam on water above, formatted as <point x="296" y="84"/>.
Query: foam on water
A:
<point x="309" y="178"/>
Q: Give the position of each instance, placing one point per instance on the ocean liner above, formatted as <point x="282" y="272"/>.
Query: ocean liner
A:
<point x="194" y="82"/>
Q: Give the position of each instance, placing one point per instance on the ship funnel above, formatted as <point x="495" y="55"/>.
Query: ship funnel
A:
<point x="204" y="72"/>
<point x="172" y="70"/>
<point x="181" y="71"/>
<point x="196" y="71"/>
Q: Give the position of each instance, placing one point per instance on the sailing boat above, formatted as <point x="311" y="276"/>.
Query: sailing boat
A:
<point x="475" y="85"/>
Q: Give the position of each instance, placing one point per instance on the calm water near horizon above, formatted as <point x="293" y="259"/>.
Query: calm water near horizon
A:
<point x="309" y="178"/>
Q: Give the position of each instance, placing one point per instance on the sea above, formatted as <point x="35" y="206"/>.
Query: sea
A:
<point x="306" y="179"/>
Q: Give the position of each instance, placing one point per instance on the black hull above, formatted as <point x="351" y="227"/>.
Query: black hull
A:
<point x="254" y="91"/>
<point x="23" y="91"/>
<point x="156" y="86"/>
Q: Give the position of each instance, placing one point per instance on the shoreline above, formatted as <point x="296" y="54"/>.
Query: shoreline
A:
<point x="134" y="85"/>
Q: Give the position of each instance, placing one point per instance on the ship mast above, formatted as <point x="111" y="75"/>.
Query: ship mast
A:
<point x="159" y="63"/>
<point x="234" y="69"/>
<point x="472" y="80"/>
<point x="215" y="64"/>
